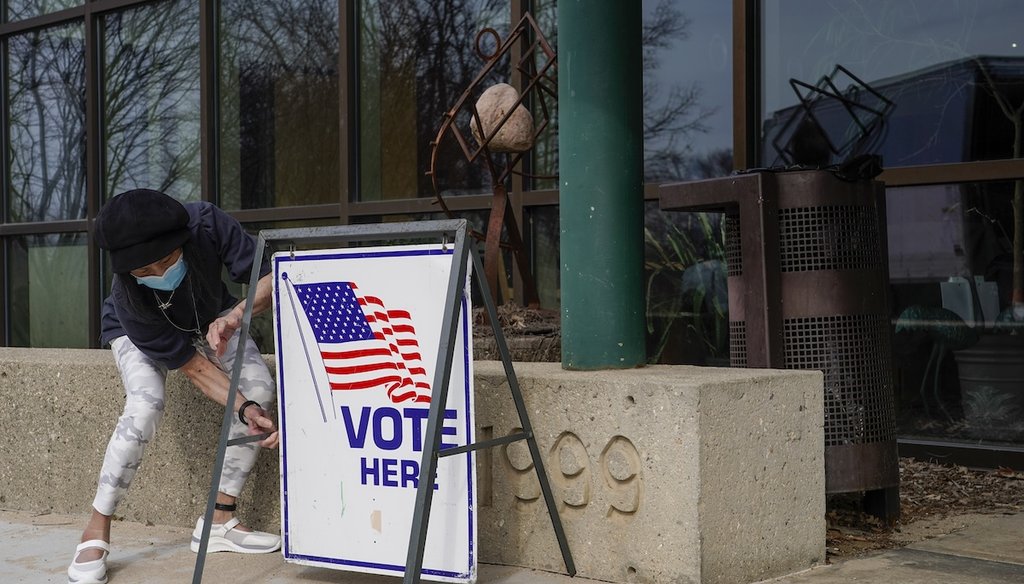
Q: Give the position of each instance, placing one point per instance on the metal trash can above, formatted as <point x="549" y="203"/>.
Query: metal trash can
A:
<point x="816" y="298"/>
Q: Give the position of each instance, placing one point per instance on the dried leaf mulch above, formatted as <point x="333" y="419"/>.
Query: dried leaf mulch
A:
<point x="929" y="493"/>
<point x="518" y="320"/>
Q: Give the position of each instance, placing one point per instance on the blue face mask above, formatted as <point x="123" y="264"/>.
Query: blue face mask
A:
<point x="170" y="280"/>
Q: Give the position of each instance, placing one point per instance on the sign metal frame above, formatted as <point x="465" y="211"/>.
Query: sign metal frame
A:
<point x="449" y="230"/>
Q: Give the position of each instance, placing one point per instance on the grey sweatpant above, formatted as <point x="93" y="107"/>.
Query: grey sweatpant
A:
<point x="144" y="381"/>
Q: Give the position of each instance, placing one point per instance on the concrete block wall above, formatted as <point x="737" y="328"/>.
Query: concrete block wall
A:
<point x="59" y="407"/>
<point x="661" y="474"/>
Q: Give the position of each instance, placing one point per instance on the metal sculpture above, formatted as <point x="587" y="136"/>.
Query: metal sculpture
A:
<point x="536" y="63"/>
<point x="818" y="134"/>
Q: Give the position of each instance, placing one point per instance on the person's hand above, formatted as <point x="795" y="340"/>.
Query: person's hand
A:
<point x="220" y="331"/>
<point x="259" y="423"/>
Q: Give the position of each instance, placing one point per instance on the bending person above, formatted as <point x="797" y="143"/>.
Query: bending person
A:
<point x="169" y="309"/>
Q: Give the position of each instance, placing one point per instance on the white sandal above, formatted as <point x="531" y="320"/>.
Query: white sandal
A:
<point x="225" y="538"/>
<point x="93" y="571"/>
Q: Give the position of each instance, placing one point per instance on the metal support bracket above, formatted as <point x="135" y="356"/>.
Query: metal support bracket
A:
<point x="756" y="197"/>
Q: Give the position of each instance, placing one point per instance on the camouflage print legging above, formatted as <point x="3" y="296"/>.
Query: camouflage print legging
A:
<point x="144" y="407"/>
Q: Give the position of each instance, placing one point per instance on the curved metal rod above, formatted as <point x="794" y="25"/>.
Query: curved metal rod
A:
<point x="542" y="85"/>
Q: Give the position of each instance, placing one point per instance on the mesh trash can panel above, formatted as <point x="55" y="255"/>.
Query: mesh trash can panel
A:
<point x="835" y="317"/>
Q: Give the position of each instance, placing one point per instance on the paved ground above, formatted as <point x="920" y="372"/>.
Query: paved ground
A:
<point x="988" y="550"/>
<point x="36" y="548"/>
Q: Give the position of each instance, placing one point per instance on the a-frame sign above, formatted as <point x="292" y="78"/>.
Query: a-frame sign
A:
<point x="464" y="251"/>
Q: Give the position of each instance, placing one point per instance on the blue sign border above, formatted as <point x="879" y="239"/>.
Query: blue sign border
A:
<point x="466" y="357"/>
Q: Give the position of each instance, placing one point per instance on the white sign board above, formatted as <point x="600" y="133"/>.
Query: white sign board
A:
<point x="357" y="344"/>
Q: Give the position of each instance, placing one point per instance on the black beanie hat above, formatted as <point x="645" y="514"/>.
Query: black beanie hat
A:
<point x="139" y="227"/>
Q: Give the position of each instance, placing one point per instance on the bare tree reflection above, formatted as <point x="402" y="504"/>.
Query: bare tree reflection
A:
<point x="21" y="9"/>
<point x="150" y="93"/>
<point x="421" y="54"/>
<point x="280" y="101"/>
<point x="671" y="122"/>
<point x="46" y="117"/>
<point x="151" y="99"/>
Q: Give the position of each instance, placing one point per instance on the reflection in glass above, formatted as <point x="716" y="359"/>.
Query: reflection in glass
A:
<point x="415" y="60"/>
<point x="542" y="235"/>
<point x="262" y="325"/>
<point x="544" y="156"/>
<point x="959" y="352"/>
<point x="687" y="60"/>
<point x="46" y="117"/>
<point x="22" y="9"/>
<point x="687" y="302"/>
<point x="475" y="219"/>
<point x="279" y="103"/>
<point x="955" y="71"/>
<point x="48" y="286"/>
<point x="151" y="99"/>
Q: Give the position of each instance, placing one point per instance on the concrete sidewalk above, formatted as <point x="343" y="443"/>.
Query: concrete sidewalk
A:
<point x="36" y="549"/>
<point x="989" y="549"/>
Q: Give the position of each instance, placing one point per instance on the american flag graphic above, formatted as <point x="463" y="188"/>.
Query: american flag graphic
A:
<point x="363" y="344"/>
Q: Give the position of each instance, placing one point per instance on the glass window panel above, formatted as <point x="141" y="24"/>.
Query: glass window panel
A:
<point x="953" y="69"/>
<point x="544" y="156"/>
<point x="475" y="219"/>
<point x="22" y="9"/>
<point x="279" y="103"/>
<point x="958" y="367"/>
<point x="543" y="233"/>
<point x="151" y="99"/>
<point x="262" y="325"/>
<point x="48" y="285"/>
<point x="687" y="62"/>
<point x="415" y="61"/>
<point x="687" y="299"/>
<point x="46" y="116"/>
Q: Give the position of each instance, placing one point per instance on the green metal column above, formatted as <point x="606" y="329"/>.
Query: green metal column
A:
<point x="600" y="115"/>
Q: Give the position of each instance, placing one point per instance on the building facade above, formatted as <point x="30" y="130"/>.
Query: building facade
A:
<point x="322" y="112"/>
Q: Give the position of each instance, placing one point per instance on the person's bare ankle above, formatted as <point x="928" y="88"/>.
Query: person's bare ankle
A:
<point x="222" y="517"/>
<point x="98" y="527"/>
<point x="90" y="554"/>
